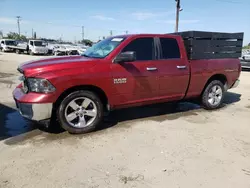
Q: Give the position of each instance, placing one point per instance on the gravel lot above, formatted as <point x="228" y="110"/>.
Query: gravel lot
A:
<point x="154" y="146"/>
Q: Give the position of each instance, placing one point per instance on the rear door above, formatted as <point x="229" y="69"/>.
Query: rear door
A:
<point x="136" y="81"/>
<point x="173" y="70"/>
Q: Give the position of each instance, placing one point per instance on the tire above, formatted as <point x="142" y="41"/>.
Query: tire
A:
<point x="80" y="119"/>
<point x="213" y="95"/>
<point x="31" y="53"/>
<point x="18" y="51"/>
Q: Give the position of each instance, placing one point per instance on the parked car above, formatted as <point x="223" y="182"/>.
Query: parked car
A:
<point x="65" y="49"/>
<point x="246" y="57"/>
<point x="120" y="72"/>
<point x="6" y="44"/>
<point x="81" y="49"/>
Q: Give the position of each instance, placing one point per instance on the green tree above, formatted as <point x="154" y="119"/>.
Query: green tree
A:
<point x="87" y="42"/>
<point x="13" y="35"/>
<point x="246" y="47"/>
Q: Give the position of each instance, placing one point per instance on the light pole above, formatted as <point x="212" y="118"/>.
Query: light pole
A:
<point x="82" y="33"/>
<point x="178" y="9"/>
<point x="18" y="24"/>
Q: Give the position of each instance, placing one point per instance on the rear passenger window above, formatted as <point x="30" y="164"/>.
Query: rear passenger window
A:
<point x="170" y="48"/>
<point x="143" y="47"/>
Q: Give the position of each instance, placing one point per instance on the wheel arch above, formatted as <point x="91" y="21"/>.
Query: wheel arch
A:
<point x="220" y="77"/>
<point x="97" y="90"/>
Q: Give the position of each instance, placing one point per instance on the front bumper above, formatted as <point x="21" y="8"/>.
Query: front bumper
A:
<point x="245" y="64"/>
<point x="32" y="111"/>
<point x="36" y="112"/>
<point x="36" y="52"/>
<point x="236" y="83"/>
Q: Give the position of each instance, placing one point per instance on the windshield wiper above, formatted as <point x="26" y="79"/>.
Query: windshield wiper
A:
<point x="85" y="55"/>
<point x="92" y="56"/>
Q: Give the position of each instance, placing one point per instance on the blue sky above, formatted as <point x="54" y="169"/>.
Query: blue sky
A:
<point x="64" y="18"/>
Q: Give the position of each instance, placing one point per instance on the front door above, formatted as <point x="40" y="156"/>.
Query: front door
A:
<point x="136" y="81"/>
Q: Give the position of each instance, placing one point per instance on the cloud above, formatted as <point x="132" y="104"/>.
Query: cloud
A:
<point x="7" y="20"/>
<point x="103" y="18"/>
<point x="145" y="15"/>
<point x="11" y="21"/>
<point x="181" y="21"/>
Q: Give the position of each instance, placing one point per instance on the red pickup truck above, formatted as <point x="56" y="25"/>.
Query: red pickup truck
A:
<point x="120" y="72"/>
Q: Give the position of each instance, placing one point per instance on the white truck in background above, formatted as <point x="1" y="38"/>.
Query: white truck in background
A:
<point x="32" y="47"/>
<point x="6" y="44"/>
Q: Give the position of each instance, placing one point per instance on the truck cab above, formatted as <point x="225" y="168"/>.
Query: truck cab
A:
<point x="37" y="47"/>
<point x="5" y="44"/>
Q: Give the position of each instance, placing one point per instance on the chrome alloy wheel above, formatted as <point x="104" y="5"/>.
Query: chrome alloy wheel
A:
<point x="80" y="112"/>
<point x="215" y="95"/>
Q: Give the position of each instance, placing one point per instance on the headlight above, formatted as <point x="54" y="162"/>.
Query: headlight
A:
<point x="40" y="85"/>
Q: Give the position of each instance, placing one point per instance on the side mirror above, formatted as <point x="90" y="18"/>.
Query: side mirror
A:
<point x="125" y="57"/>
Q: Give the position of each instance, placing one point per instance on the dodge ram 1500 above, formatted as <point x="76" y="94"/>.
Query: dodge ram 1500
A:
<point x="120" y="72"/>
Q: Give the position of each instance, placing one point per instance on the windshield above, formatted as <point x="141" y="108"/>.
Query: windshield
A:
<point x="104" y="47"/>
<point x="39" y="43"/>
<point x="10" y="42"/>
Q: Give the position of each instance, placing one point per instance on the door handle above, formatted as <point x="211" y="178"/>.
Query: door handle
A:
<point x="151" y="68"/>
<point x="181" y="67"/>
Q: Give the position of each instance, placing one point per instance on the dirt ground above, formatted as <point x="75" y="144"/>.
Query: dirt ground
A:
<point x="154" y="146"/>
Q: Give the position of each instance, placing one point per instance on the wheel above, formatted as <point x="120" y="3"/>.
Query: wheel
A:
<point x="18" y="51"/>
<point x="31" y="53"/>
<point x="213" y="95"/>
<point x="80" y="112"/>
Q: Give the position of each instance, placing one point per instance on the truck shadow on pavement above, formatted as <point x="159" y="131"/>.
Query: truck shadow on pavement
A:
<point x="163" y="111"/>
<point x="12" y="124"/>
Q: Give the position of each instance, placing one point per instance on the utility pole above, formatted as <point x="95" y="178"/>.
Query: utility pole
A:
<point x="177" y="15"/>
<point x="18" y="24"/>
<point x="111" y="33"/>
<point x="82" y="33"/>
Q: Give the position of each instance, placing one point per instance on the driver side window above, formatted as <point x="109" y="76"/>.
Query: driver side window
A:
<point x="31" y="43"/>
<point x="143" y="47"/>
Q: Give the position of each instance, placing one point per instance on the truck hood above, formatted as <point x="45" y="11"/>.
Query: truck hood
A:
<point x="36" y="67"/>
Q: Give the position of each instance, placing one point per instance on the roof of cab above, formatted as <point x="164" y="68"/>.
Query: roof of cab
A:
<point x="147" y="35"/>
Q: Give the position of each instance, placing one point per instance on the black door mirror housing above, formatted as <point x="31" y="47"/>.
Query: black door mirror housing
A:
<point x="125" y="57"/>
